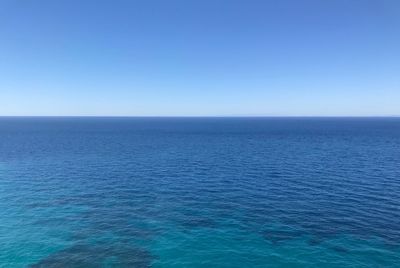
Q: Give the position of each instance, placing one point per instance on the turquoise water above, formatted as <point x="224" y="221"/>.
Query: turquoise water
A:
<point x="199" y="192"/>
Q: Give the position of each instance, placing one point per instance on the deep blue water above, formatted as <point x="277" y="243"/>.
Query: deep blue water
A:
<point x="199" y="192"/>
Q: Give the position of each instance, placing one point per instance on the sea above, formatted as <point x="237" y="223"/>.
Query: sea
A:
<point x="199" y="192"/>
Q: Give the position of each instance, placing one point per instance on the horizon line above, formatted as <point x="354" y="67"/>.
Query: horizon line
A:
<point x="211" y="116"/>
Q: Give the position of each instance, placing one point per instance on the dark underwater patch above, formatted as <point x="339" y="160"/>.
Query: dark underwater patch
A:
<point x="198" y="222"/>
<point x="340" y="249"/>
<point x="315" y="241"/>
<point x="87" y="256"/>
<point x="281" y="236"/>
<point x="275" y="175"/>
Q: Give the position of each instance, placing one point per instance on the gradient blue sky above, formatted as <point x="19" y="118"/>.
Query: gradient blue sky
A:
<point x="204" y="57"/>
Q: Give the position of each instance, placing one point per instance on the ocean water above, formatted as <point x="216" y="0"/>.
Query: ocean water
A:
<point x="199" y="192"/>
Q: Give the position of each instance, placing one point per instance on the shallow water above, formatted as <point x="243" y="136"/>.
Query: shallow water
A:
<point x="199" y="192"/>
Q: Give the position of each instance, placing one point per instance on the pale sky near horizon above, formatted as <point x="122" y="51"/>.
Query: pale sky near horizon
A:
<point x="200" y="58"/>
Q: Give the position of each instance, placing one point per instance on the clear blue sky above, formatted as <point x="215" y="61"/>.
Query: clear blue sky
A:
<point x="204" y="57"/>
